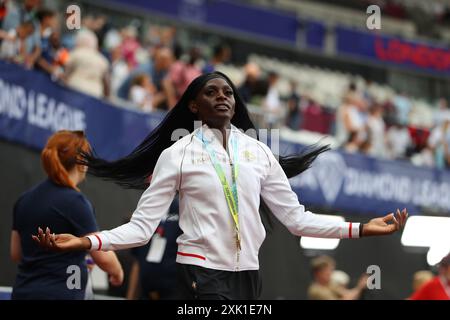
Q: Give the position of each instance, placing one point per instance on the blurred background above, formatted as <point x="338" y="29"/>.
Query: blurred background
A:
<point x="312" y="69"/>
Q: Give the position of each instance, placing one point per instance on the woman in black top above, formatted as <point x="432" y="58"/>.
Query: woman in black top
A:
<point x="56" y="202"/>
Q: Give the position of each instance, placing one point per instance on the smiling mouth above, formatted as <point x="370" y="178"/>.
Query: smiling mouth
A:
<point x="222" y="107"/>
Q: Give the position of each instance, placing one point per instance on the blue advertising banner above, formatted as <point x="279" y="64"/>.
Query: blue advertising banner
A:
<point x="364" y="185"/>
<point x="314" y="34"/>
<point x="226" y="14"/>
<point x="284" y="26"/>
<point x="32" y="107"/>
<point x="357" y="183"/>
<point x="396" y="51"/>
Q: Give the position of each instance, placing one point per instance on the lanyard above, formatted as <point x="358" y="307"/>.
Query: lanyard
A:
<point x="231" y="194"/>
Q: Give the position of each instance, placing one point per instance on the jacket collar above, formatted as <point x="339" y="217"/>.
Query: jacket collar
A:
<point x="214" y="136"/>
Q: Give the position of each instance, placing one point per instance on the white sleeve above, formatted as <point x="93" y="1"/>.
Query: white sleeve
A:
<point x="283" y="202"/>
<point x="152" y="206"/>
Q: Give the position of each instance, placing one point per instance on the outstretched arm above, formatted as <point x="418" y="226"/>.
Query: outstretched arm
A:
<point x="283" y="202"/>
<point x="152" y="206"/>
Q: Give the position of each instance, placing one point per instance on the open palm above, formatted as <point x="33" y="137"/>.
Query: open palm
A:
<point x="385" y="225"/>
<point x="58" y="242"/>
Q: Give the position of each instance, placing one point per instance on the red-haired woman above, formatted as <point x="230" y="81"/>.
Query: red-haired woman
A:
<point x="57" y="202"/>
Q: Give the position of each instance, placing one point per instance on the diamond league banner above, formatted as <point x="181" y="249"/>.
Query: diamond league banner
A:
<point x="32" y="107"/>
<point x="359" y="184"/>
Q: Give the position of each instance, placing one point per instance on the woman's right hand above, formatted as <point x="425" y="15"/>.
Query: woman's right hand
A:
<point x="61" y="242"/>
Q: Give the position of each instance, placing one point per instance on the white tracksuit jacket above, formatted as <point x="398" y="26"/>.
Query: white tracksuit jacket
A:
<point x="208" y="238"/>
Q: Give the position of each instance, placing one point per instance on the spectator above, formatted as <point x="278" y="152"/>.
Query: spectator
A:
<point x="403" y="107"/>
<point x="163" y="36"/>
<point x="253" y="86"/>
<point x="439" y="141"/>
<point x="438" y="288"/>
<point x="293" y="119"/>
<point x="14" y="43"/>
<point x="221" y="55"/>
<point x="87" y="68"/>
<point x="314" y="117"/>
<point x="130" y="46"/>
<point x="442" y="112"/>
<point x="341" y="280"/>
<point x="48" y="23"/>
<point x="100" y="27"/>
<point x="19" y="14"/>
<point x="323" y="288"/>
<point x="57" y="201"/>
<point x="165" y="97"/>
<point x="54" y="58"/>
<point x="157" y="69"/>
<point x="182" y="73"/>
<point x="142" y="91"/>
<point x="351" y="117"/>
<point x="376" y="132"/>
<point x="119" y="69"/>
<point x="398" y="141"/>
<point x="273" y="108"/>
<point x="389" y="113"/>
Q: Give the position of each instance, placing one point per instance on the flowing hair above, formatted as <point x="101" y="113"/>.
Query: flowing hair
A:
<point x="134" y="170"/>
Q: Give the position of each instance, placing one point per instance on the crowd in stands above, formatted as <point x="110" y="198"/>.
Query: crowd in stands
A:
<point x="150" y="69"/>
<point x="384" y="130"/>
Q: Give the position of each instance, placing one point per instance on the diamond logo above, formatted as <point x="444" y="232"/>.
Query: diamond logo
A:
<point x="329" y="170"/>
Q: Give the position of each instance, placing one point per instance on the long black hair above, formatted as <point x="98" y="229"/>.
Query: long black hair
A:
<point x="134" y="170"/>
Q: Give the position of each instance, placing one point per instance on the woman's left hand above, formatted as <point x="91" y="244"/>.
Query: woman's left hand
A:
<point x="381" y="226"/>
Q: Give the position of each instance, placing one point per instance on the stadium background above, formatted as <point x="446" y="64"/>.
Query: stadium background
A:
<point x="299" y="32"/>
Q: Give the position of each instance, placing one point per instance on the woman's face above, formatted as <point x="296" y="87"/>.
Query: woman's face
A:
<point x="214" y="103"/>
